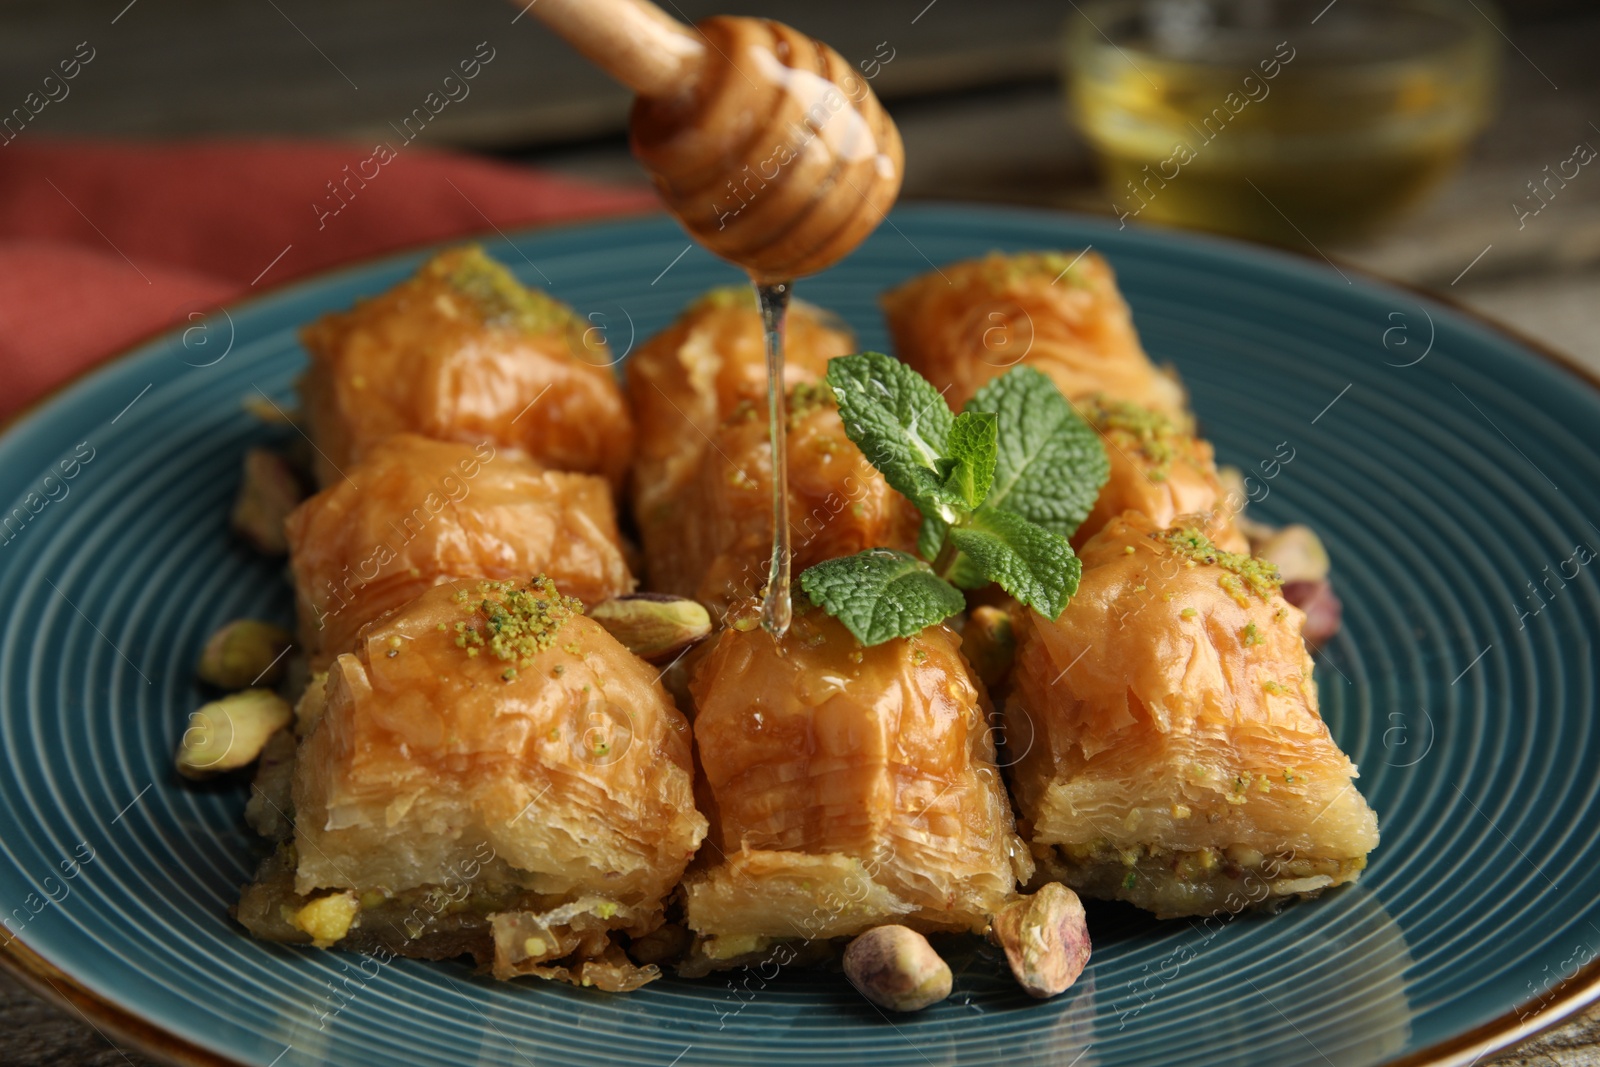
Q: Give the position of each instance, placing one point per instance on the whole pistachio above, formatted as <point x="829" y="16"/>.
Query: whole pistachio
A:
<point x="1324" y="611"/>
<point x="268" y="491"/>
<point x="243" y="653"/>
<point x="1045" y="938"/>
<point x="989" y="644"/>
<point x="1297" y="551"/>
<point x="230" y="733"/>
<point x="896" y="968"/>
<point x="651" y="625"/>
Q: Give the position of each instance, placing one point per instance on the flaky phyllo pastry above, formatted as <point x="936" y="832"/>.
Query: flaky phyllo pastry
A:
<point x="463" y="352"/>
<point x="1158" y="470"/>
<point x="1057" y="312"/>
<point x="1167" y="744"/>
<point x="711" y="539"/>
<point x="702" y="487"/>
<point x="846" y="787"/>
<point x="415" y="512"/>
<point x="687" y="379"/>
<point x="488" y="746"/>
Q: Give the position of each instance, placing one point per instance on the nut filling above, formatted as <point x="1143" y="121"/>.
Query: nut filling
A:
<point x="1172" y="882"/>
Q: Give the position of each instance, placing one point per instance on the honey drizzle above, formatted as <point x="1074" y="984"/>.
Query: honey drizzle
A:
<point x="776" y="610"/>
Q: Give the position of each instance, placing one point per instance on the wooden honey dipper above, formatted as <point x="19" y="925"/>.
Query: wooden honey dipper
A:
<point x="766" y="144"/>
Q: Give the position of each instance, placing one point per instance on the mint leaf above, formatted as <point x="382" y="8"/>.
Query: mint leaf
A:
<point x="1051" y="464"/>
<point x="973" y="448"/>
<point x="899" y="421"/>
<point x="1033" y="564"/>
<point x="880" y="594"/>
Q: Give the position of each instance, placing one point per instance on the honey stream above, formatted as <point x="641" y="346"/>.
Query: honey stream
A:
<point x="776" y="610"/>
<point x="777" y="157"/>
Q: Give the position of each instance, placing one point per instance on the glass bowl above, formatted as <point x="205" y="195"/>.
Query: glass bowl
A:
<point x="1283" y="120"/>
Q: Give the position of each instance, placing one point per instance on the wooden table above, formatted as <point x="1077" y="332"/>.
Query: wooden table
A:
<point x="972" y="85"/>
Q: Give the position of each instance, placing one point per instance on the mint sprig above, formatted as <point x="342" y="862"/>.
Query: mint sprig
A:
<point x="1000" y="487"/>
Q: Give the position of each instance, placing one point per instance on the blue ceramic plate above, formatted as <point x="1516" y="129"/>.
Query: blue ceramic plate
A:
<point x="1454" y="474"/>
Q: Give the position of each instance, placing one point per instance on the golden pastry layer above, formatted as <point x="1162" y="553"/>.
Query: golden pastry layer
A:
<point x="712" y="539"/>
<point x="1058" y="312"/>
<point x="1167" y="742"/>
<point x="416" y="512"/>
<point x="845" y="787"/>
<point x="489" y="727"/>
<point x="1158" y="470"/>
<point x="463" y="352"/>
<point x="684" y="381"/>
<point x="701" y="487"/>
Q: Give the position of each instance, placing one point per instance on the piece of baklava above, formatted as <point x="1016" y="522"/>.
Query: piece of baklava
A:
<point x="462" y="351"/>
<point x="1058" y="312"/>
<point x="489" y="773"/>
<point x="684" y="381"/>
<point x="701" y="487"/>
<point x="711" y="538"/>
<point x="846" y="787"/>
<point x="1167" y="744"/>
<point x="1157" y="469"/>
<point x="416" y="512"/>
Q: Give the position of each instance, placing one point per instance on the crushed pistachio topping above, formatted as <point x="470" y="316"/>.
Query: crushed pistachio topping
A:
<point x="1151" y="434"/>
<point x="497" y="295"/>
<point x="1051" y="265"/>
<point x="728" y="297"/>
<point x="1251" y="636"/>
<point x="1245" y="572"/>
<point x="514" y="624"/>
<point x="807" y="397"/>
<point x="1188" y="613"/>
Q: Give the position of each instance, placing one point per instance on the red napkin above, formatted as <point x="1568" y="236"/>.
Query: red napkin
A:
<point x="104" y="243"/>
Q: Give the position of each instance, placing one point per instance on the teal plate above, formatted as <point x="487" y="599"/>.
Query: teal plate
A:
<point x="1454" y="474"/>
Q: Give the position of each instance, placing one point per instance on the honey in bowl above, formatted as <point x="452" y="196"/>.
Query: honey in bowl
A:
<point x="1279" y="120"/>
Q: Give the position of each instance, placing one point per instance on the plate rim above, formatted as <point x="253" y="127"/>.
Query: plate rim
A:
<point x="43" y="979"/>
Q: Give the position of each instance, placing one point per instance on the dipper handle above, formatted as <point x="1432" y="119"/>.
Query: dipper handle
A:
<point x="633" y="41"/>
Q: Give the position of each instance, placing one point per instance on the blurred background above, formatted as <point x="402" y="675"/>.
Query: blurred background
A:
<point x="1447" y="144"/>
<point x="1442" y="143"/>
